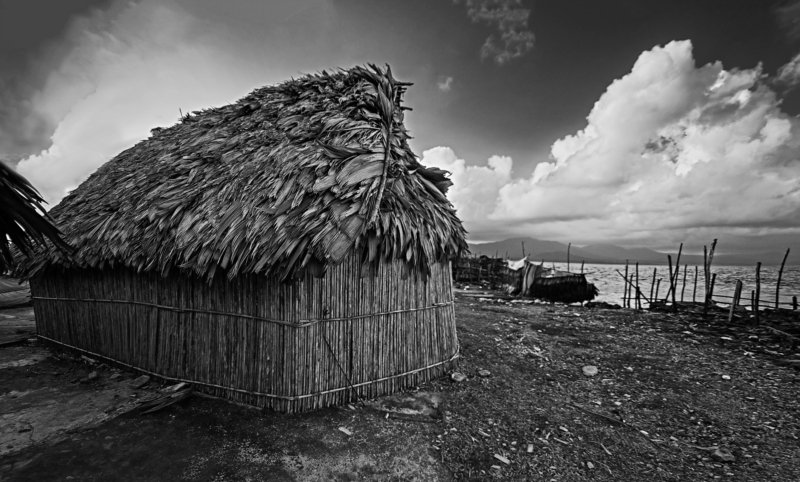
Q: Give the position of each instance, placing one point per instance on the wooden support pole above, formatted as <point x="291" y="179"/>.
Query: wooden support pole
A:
<point x="794" y="303"/>
<point x="638" y="291"/>
<point x="666" y="298"/>
<point x="694" y="291"/>
<point x="569" y="246"/>
<point x="705" y="271"/>
<point x="638" y="298"/>
<point x="625" y="289"/>
<point x="753" y="304"/>
<point x="677" y="270"/>
<point x="780" y="275"/>
<point x="685" y="269"/>
<point x="711" y="253"/>
<point x="737" y="293"/>
<point x="523" y="248"/>
<point x="710" y="295"/>
<point x="582" y="266"/>
<point x="658" y="285"/>
<point x="652" y="287"/>
<point x="758" y="289"/>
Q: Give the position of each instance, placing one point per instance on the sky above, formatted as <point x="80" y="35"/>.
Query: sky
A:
<point x="628" y="122"/>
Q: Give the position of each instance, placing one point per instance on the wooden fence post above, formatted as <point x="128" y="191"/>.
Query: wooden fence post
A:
<point x="638" y="299"/>
<point x="710" y="294"/>
<point x="669" y="269"/>
<point x="658" y="285"/>
<point x="694" y="291"/>
<point x="677" y="264"/>
<point x="758" y="289"/>
<point x="737" y="293"/>
<point x="652" y="287"/>
<point x="780" y="275"/>
<point x="705" y="271"/>
<point x="625" y="288"/>
<point x="685" y="269"/>
<point x="569" y="246"/>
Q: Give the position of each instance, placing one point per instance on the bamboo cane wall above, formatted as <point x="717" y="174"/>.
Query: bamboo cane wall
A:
<point x="287" y="346"/>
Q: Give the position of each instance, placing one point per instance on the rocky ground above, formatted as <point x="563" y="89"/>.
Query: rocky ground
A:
<point x="549" y="392"/>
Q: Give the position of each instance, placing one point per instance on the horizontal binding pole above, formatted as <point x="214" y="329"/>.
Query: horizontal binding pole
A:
<point x="247" y="392"/>
<point x="301" y="323"/>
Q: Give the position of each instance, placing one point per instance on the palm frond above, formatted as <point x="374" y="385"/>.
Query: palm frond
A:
<point x="24" y="223"/>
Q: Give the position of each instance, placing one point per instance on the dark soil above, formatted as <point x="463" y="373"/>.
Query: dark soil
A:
<point x="674" y="398"/>
<point x="669" y="392"/>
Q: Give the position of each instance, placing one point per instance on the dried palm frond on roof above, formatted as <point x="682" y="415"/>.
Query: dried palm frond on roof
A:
<point x="23" y="221"/>
<point x="291" y="177"/>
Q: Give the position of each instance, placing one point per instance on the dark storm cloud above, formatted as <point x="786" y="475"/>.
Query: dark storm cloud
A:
<point x="512" y="37"/>
<point x="28" y="51"/>
<point x="787" y="15"/>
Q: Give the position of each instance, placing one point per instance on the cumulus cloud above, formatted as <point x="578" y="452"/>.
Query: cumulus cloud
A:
<point x="789" y="73"/>
<point x="474" y="188"/>
<point x="670" y="149"/>
<point x="512" y="37"/>
<point x="445" y="84"/>
<point x="137" y="65"/>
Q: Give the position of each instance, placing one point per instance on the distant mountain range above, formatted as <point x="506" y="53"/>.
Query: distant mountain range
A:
<point x="538" y="250"/>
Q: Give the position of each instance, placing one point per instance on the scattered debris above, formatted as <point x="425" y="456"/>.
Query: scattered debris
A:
<point x="90" y="361"/>
<point x="502" y="459"/>
<point x="90" y="377"/>
<point x="161" y="403"/>
<point x="484" y="373"/>
<point x="140" y="381"/>
<point x="345" y="431"/>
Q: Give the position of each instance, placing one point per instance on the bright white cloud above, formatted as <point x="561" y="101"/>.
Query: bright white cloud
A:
<point x="139" y="64"/>
<point x="668" y="148"/>
<point x="475" y="188"/>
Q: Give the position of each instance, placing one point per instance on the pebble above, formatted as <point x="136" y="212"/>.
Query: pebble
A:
<point x="724" y="455"/>
<point x="590" y="370"/>
<point x="458" y="377"/>
<point x="484" y="373"/>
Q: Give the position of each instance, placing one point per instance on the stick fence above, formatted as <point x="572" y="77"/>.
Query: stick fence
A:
<point x="291" y="347"/>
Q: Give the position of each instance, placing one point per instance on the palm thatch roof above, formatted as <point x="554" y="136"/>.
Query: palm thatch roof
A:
<point x="24" y="224"/>
<point x="292" y="177"/>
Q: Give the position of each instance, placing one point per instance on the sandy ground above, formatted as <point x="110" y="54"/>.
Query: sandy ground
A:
<point x="670" y="397"/>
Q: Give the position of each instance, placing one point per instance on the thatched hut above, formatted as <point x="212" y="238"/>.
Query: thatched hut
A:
<point x="286" y="251"/>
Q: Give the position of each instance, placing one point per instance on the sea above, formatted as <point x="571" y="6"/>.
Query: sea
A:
<point x="611" y="284"/>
